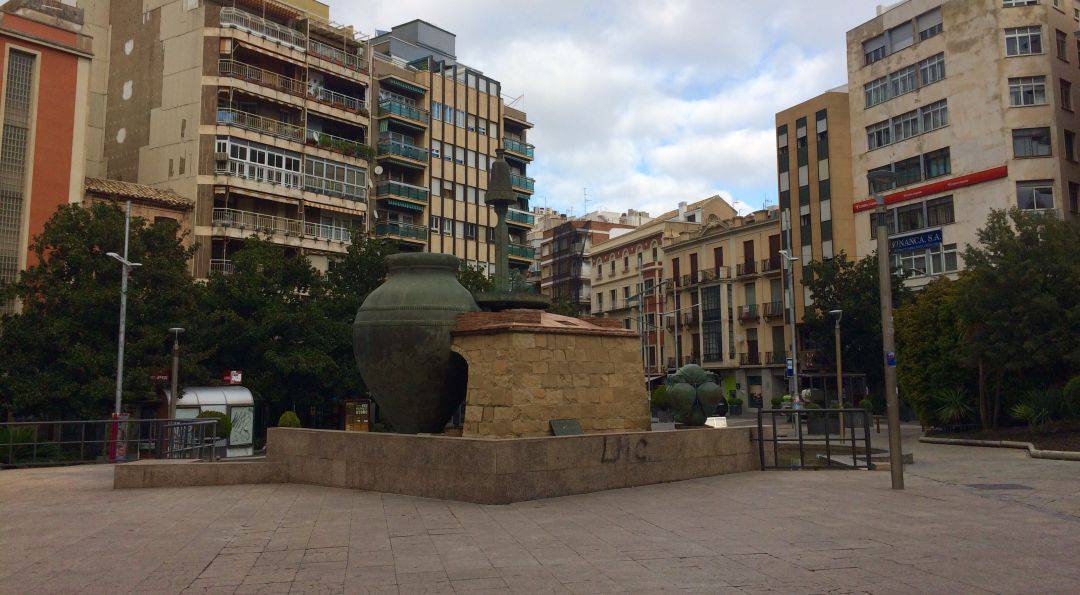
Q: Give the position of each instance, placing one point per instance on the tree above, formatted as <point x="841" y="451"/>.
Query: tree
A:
<point x="475" y="279"/>
<point x="851" y="286"/>
<point x="58" y="356"/>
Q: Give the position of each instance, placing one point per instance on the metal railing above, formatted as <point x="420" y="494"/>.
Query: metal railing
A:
<point x="771" y="264"/>
<point x="223" y="266"/>
<point x="245" y="21"/>
<point x="338" y="56"/>
<point x="515" y="216"/>
<point x="401" y="230"/>
<point x="338" y="144"/>
<point x="389" y="147"/>
<point x="72" y="442"/>
<point x="749" y="312"/>
<point x="246" y="220"/>
<point x="232" y="117"/>
<point x="521" y="148"/>
<point x="521" y="251"/>
<point x="750" y="359"/>
<point x="522" y="182"/>
<point x="261" y="76"/>
<point x="335" y="99"/>
<point x="774" y="309"/>
<point x="401" y="189"/>
<point x="812" y="439"/>
<point x="259" y="173"/>
<point x="775" y="358"/>
<point x="388" y="107"/>
<point x="745" y="268"/>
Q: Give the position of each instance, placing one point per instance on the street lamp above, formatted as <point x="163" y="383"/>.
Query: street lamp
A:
<point x="126" y="266"/>
<point x="174" y="395"/>
<point x="879" y="179"/>
<point x="839" y="367"/>
<point x="789" y="269"/>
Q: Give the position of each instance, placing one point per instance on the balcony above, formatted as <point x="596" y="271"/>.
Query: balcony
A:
<point x="338" y="100"/>
<point x="340" y="57"/>
<point x="523" y="183"/>
<point x="257" y="222"/>
<point x="258" y="26"/>
<point x="774" y="309"/>
<point x="389" y="107"/>
<point x="336" y="188"/>
<point x="519" y="148"/>
<point x="771" y="265"/>
<point x="521" y="251"/>
<point x="401" y="230"/>
<point x="775" y="358"/>
<point x="520" y="217"/>
<point x="392" y="149"/>
<point x="261" y="124"/>
<point x="391" y="188"/>
<point x="749" y="313"/>
<point x="222" y="266"/>
<point x="337" y="144"/>
<point x="245" y="170"/>
<point x="750" y="359"/>
<point x="261" y="76"/>
<point x="690" y="318"/>
<point x="745" y="269"/>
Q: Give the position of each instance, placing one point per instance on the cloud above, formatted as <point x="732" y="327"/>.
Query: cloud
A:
<point x="645" y="102"/>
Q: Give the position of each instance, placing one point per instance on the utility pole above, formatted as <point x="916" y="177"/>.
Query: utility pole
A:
<point x="839" y="368"/>
<point x="174" y="395"/>
<point x="896" y="459"/>
<point x="126" y="267"/>
<point x="789" y="276"/>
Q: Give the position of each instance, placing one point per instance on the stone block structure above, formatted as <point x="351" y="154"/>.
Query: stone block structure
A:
<point x="528" y="367"/>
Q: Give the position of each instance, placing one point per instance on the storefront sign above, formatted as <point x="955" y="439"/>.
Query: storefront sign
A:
<point x="233" y="377"/>
<point x="917" y="241"/>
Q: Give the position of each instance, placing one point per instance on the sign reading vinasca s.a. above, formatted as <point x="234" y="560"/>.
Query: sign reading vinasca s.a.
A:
<point x="925" y="239"/>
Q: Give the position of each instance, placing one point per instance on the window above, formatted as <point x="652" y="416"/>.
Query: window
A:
<point x="436" y="149"/>
<point x="927" y="261"/>
<point x="932" y="69"/>
<point x="874" y="49"/>
<point x="436" y="111"/>
<point x="905" y="126"/>
<point x="1074" y="198"/>
<point x="470" y="231"/>
<point x="1022" y="41"/>
<point x="1027" y="90"/>
<point x="1066" y="94"/>
<point x="902" y="81"/>
<point x="910" y="217"/>
<point x="878" y="135"/>
<point x="1070" y="145"/>
<point x="877" y="91"/>
<point x="611" y="294"/>
<point x="935" y="115"/>
<point x="1035" y="195"/>
<point x="600" y="302"/>
<point x="1031" y="142"/>
<point x="929" y="24"/>
<point x="1008" y="3"/>
<point x="907" y="171"/>
<point x="459" y="118"/>
<point x="459" y="155"/>
<point x="900" y="37"/>
<point x="470" y="122"/>
<point x="937" y="163"/>
<point x="436" y="223"/>
<point x="1062" y="41"/>
<point x="939" y="211"/>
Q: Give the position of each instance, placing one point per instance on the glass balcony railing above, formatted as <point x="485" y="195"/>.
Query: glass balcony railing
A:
<point x="337" y="188"/>
<point x="245" y="21"/>
<point x="401" y="230"/>
<point x="339" y="145"/>
<point x="389" y="147"/>
<point x="337" y="56"/>
<point x="516" y="146"/>
<point x="389" y="107"/>
<point x="329" y="233"/>
<point x="515" y="216"/>
<point x="256" y="123"/>
<point x="521" y="251"/>
<point x="522" y="182"/>
<point x="388" y="188"/>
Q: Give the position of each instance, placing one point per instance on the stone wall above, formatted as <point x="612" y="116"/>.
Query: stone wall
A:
<point x="528" y="368"/>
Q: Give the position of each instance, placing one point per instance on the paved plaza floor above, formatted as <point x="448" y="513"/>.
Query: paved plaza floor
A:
<point x="972" y="520"/>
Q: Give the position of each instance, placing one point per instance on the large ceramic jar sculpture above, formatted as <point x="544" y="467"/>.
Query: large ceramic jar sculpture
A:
<point x="695" y="395"/>
<point x="401" y="339"/>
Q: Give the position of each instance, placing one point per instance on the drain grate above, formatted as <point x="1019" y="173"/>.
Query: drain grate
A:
<point x="999" y="486"/>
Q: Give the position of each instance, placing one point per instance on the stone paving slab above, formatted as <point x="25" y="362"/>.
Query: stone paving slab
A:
<point x="65" y="530"/>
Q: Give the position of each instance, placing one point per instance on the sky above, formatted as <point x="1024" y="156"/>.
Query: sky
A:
<point x="644" y="103"/>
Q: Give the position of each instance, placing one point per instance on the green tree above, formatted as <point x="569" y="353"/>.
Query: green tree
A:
<point x="475" y="279"/>
<point x="851" y="286"/>
<point x="565" y="307"/>
<point x="58" y="356"/>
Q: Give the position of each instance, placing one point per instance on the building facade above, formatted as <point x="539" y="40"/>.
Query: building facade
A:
<point x="147" y="202"/>
<point x="725" y="304"/>
<point x="814" y="173"/>
<point x="44" y="79"/>
<point x="970" y="104"/>
<point x="565" y="274"/>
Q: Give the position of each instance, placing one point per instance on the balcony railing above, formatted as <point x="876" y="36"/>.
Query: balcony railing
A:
<point x="774" y="309"/>
<point x="775" y="358"/>
<point x="389" y="147"/>
<point x="389" y="107"/>
<point x="257" y="222"/>
<point x="743" y="269"/>
<point x="522" y="182"/>
<point x="519" y="147"/>
<point x="401" y="230"/>
<point x="337" y="188"/>
<point x="221" y="265"/>
<point x="245" y="21"/>
<point x="338" y="100"/>
<point x="260" y="76"/>
<point x="690" y="318"/>
<point x="386" y="188"/>
<point x="337" y="144"/>
<point x="771" y="264"/>
<point x="246" y="170"/>
<point x="515" y="216"/>
<point x="749" y="312"/>
<point x="337" y="56"/>
<point x="521" y="251"/>
<point x="750" y="359"/>
<point x="329" y="233"/>
<point x="231" y="117"/>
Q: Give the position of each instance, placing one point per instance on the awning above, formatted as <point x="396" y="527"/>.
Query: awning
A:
<point x="396" y="82"/>
<point x="403" y="204"/>
<point x="201" y="396"/>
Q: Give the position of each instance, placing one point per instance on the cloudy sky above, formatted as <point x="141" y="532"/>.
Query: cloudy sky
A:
<point x="644" y="102"/>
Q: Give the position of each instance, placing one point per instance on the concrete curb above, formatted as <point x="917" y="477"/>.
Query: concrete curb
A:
<point x="1060" y="455"/>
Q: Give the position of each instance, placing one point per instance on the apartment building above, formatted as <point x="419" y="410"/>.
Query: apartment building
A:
<point x="970" y="104"/>
<point x="467" y="123"/>
<point x="814" y="171"/>
<point x="44" y="79"/>
<point x="725" y="303"/>
<point x="565" y="274"/>
<point x="628" y="270"/>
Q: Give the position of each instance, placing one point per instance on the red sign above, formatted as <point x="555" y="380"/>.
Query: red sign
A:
<point x="159" y="377"/>
<point x="233" y="377"/>
<point x="936" y="188"/>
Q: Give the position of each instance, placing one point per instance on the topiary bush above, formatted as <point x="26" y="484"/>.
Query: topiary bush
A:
<point x="694" y="394"/>
<point x="660" y="401"/>
<point x="224" y="424"/>
<point x="777" y="401"/>
<point x="867" y="404"/>
<point x="288" y="420"/>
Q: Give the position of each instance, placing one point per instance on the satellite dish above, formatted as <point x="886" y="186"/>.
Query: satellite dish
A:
<point x="378" y="170"/>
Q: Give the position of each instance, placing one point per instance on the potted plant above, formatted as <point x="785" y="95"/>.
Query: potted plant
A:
<point x="735" y="405"/>
<point x="820" y="423"/>
<point x="777" y="402"/>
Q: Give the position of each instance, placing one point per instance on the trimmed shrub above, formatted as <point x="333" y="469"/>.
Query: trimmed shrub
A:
<point x="224" y="424"/>
<point x="777" y="402"/>
<point x="660" y="399"/>
<point x="288" y="420"/>
<point x="867" y="404"/>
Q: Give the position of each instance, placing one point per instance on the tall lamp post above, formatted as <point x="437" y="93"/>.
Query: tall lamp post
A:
<point x="174" y="396"/>
<point x="126" y="266"/>
<point x="839" y="367"/>
<point x="789" y="269"/>
<point x="878" y="179"/>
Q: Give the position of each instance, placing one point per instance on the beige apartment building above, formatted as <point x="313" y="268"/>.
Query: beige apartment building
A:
<point x="971" y="104"/>
<point x="724" y="297"/>
<point x="628" y="270"/>
<point x="814" y="173"/>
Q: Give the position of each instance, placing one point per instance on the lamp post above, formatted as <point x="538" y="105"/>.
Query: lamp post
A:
<point x="839" y="367"/>
<point x="126" y="267"/>
<point x="892" y="405"/>
<point x="174" y="377"/>
<point x="789" y="269"/>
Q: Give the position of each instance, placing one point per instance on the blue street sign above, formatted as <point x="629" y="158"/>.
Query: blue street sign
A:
<point x="890" y="359"/>
<point x="790" y="371"/>
<point x="917" y="241"/>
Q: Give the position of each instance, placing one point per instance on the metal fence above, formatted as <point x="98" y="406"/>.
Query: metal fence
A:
<point x="814" y="439"/>
<point x="50" y="443"/>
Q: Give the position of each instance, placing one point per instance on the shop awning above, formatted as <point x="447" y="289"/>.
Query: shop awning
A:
<point x="403" y="204"/>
